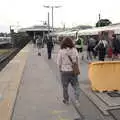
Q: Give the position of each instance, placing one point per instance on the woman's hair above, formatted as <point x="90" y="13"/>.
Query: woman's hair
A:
<point x="67" y="43"/>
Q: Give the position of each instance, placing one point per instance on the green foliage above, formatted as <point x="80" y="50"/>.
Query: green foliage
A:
<point x="103" y="22"/>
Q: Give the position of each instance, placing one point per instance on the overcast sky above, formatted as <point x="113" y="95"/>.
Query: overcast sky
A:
<point x="27" y="13"/>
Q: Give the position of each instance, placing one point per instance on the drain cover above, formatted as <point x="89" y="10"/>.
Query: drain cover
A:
<point x="114" y="94"/>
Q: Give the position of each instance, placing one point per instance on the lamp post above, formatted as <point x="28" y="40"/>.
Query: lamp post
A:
<point x="52" y="7"/>
<point x="11" y="35"/>
<point x="99" y="18"/>
<point x="48" y="24"/>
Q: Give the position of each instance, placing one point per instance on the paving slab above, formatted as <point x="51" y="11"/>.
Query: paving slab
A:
<point x="101" y="100"/>
<point x="115" y="113"/>
<point x="110" y="101"/>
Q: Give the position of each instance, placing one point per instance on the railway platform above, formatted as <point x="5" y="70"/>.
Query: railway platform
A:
<point x="30" y="89"/>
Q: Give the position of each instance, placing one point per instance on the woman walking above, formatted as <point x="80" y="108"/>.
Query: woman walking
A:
<point x="67" y="52"/>
<point x="39" y="43"/>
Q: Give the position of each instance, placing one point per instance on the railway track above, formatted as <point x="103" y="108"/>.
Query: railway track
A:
<point x="5" y="58"/>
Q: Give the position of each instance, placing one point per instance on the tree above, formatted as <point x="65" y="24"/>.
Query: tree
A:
<point x="103" y="22"/>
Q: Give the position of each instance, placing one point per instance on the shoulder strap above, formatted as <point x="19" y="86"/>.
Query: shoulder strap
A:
<point x="70" y="59"/>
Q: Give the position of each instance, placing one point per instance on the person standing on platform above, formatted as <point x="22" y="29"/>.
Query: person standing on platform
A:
<point x="101" y="47"/>
<point x="79" y="46"/>
<point x="90" y="48"/>
<point x="39" y="44"/>
<point x="67" y="52"/>
<point x="116" y="47"/>
<point x="49" y="46"/>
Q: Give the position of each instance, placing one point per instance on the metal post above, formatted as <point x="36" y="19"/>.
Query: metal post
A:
<point x="10" y="28"/>
<point x="48" y="24"/>
<point x="11" y="35"/>
<point x="99" y="19"/>
<point x="47" y="6"/>
<point x="99" y="16"/>
<point x="52" y="19"/>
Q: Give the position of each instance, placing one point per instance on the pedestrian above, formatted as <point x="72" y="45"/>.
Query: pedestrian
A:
<point x="90" y="48"/>
<point x="79" y="46"/>
<point x="65" y="66"/>
<point x="39" y="44"/>
<point x="49" y="46"/>
<point x="101" y="47"/>
<point x="115" y="47"/>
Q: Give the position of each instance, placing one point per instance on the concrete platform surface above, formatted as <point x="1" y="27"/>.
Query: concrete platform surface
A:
<point x="40" y="94"/>
<point x="10" y="78"/>
<point x="39" y="91"/>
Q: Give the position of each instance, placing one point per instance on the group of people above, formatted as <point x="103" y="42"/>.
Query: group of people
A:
<point x="99" y="48"/>
<point x="104" y="47"/>
<point x="67" y="56"/>
<point x="67" y="49"/>
<point x="40" y="41"/>
<point x="94" y="48"/>
<point x="68" y="59"/>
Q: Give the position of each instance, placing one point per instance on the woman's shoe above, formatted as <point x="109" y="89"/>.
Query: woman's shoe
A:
<point x="66" y="102"/>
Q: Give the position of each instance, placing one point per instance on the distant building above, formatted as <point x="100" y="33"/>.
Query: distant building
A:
<point x="36" y="30"/>
<point x="115" y="24"/>
<point x="43" y="29"/>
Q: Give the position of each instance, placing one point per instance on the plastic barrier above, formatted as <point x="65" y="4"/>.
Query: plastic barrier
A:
<point x="105" y="76"/>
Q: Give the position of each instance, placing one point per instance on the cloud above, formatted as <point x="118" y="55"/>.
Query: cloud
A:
<point x="4" y="28"/>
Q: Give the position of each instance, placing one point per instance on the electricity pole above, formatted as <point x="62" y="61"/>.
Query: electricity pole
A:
<point x="99" y="16"/>
<point x="48" y="24"/>
<point x="11" y="35"/>
<point x="99" y="19"/>
<point x="52" y="7"/>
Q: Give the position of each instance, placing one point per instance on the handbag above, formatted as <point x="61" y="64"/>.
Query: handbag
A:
<point x="75" y="67"/>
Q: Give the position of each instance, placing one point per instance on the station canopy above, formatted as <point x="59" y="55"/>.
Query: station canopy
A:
<point x="35" y="28"/>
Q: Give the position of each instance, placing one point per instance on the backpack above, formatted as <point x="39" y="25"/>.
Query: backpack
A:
<point x="91" y="42"/>
<point x="101" y="46"/>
